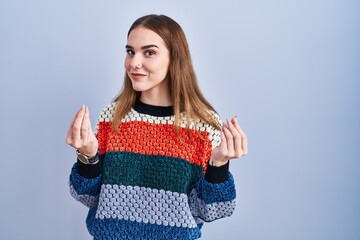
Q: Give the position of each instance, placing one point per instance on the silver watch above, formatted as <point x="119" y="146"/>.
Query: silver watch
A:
<point x="85" y="159"/>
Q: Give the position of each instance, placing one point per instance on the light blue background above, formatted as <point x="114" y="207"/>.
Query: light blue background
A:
<point x="289" y="69"/>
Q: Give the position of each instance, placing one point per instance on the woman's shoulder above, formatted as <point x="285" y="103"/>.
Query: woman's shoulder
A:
<point x="212" y="131"/>
<point x="205" y="125"/>
<point x="107" y="113"/>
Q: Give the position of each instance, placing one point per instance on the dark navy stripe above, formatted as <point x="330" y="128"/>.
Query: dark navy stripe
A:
<point x="216" y="192"/>
<point x="84" y="185"/>
<point x="127" y="230"/>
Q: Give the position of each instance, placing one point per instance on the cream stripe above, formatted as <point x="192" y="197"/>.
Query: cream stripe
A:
<point x="108" y="112"/>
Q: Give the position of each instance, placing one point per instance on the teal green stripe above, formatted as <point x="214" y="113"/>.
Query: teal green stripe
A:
<point x="161" y="172"/>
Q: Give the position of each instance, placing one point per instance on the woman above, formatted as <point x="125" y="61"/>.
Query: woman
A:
<point x="157" y="166"/>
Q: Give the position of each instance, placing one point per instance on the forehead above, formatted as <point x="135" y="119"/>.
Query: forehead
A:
<point x="141" y="36"/>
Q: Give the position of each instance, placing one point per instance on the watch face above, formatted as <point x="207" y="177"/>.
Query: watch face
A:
<point x="83" y="159"/>
<point x="86" y="160"/>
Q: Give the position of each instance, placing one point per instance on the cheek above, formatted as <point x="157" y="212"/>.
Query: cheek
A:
<point x="164" y="69"/>
<point x="159" y="67"/>
<point x="166" y="65"/>
<point x="126" y="63"/>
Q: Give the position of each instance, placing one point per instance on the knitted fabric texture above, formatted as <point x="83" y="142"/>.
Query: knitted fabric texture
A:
<point x="152" y="184"/>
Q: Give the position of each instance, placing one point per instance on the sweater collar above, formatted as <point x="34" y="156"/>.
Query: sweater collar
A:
<point x="157" y="111"/>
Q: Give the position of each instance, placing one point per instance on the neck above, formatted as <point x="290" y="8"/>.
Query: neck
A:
<point x="156" y="101"/>
<point x="157" y="97"/>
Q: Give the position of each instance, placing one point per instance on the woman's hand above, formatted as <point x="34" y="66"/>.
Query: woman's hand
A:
<point x="80" y="134"/>
<point x="233" y="143"/>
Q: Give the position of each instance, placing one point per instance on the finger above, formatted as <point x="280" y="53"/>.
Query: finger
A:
<point x="223" y="139"/>
<point x="238" y="151"/>
<point x="229" y="140"/>
<point x="223" y="147"/>
<point x="85" y="126"/>
<point x="232" y="127"/>
<point x="244" y="142"/>
<point x="69" y="136"/>
<point x="90" y="127"/>
<point x="237" y="126"/>
<point x="90" y="131"/>
<point x="234" y="120"/>
<point x="77" y="125"/>
<point x="76" y="115"/>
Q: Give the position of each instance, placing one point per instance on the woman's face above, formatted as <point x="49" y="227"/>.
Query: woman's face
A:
<point x="147" y="61"/>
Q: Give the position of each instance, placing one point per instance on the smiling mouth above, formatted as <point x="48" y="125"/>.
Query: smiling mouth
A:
<point x="137" y="75"/>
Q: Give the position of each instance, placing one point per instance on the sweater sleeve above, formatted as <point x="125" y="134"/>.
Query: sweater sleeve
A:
<point x="213" y="196"/>
<point x="213" y="200"/>
<point x="83" y="189"/>
<point x="85" y="180"/>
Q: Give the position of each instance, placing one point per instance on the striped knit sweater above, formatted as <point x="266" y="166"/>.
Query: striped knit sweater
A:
<point x="149" y="184"/>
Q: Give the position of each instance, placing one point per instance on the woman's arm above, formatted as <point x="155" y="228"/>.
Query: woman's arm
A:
<point x="214" y="194"/>
<point x="85" y="188"/>
<point x="85" y="179"/>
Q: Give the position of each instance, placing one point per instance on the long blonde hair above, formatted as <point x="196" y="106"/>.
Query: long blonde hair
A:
<point x="184" y="89"/>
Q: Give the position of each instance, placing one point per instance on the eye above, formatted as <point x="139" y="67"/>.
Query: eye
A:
<point x="130" y="52"/>
<point x="149" y="53"/>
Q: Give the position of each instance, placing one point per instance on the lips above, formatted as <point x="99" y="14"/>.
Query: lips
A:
<point x="137" y="75"/>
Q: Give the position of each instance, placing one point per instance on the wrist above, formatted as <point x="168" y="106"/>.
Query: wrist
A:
<point x="217" y="174"/>
<point x="88" y="154"/>
<point x="217" y="163"/>
<point x="88" y="159"/>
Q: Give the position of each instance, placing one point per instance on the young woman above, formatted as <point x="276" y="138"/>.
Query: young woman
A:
<point x="157" y="165"/>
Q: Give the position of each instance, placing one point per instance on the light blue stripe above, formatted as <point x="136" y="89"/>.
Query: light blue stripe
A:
<point x="141" y="204"/>
<point x="210" y="212"/>
<point x="87" y="200"/>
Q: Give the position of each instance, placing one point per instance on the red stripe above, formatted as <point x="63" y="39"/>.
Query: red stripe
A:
<point x="155" y="139"/>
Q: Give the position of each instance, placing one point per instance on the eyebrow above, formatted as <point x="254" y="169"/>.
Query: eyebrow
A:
<point x="143" y="47"/>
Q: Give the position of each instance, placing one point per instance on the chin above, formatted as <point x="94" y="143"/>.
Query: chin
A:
<point x="139" y="88"/>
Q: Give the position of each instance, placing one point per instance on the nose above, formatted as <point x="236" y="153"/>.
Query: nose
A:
<point x="136" y="61"/>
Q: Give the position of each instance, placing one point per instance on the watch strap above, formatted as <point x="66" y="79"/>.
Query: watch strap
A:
<point x="85" y="159"/>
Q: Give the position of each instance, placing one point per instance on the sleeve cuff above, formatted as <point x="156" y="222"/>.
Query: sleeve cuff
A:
<point x="90" y="170"/>
<point x="217" y="174"/>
